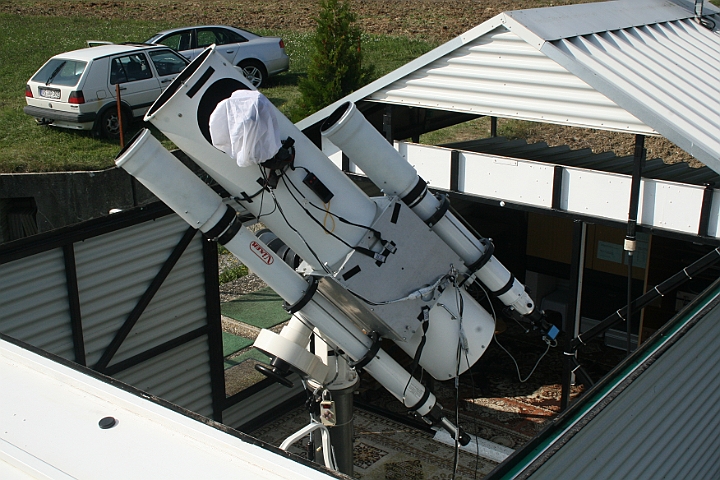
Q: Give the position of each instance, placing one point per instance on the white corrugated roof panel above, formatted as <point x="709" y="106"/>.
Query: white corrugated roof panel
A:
<point x="667" y="74"/>
<point x="637" y="66"/>
<point x="499" y="74"/>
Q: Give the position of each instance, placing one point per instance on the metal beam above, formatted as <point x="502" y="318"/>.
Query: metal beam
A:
<point x="214" y="325"/>
<point x="74" y="303"/>
<point x="144" y="301"/>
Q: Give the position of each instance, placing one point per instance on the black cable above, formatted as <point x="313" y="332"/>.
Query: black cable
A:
<point x="477" y="444"/>
<point x="457" y="410"/>
<point x="280" y="210"/>
<point x="341" y="219"/>
<point x="262" y="200"/>
<point x="364" y="251"/>
<point x="706" y="22"/>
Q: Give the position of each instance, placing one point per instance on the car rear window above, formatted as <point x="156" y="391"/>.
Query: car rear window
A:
<point x="59" y="71"/>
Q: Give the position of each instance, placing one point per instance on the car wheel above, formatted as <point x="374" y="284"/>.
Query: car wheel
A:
<point x="254" y="71"/>
<point x="109" y="126"/>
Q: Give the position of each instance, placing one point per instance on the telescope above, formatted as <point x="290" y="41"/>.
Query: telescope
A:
<point x="353" y="271"/>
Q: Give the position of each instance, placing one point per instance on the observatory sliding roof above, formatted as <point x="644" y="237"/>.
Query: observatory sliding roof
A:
<point x="634" y="66"/>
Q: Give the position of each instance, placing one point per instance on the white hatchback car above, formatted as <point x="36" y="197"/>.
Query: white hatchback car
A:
<point x="78" y="89"/>
<point x="259" y="57"/>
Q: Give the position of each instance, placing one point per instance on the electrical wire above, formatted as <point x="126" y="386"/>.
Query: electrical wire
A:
<point x="548" y="343"/>
<point x="282" y="214"/>
<point x="328" y="214"/>
<point x="456" y="457"/>
<point x="419" y="293"/>
<point x="286" y="180"/>
<point x="462" y="347"/>
<point x="547" y="348"/>
<point x="477" y="444"/>
<point x="706" y="22"/>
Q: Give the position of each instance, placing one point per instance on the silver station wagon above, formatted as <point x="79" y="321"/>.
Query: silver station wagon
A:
<point x="257" y="56"/>
<point x="78" y="89"/>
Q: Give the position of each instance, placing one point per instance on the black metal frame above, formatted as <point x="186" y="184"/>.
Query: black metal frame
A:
<point x="144" y="301"/>
<point x="66" y="237"/>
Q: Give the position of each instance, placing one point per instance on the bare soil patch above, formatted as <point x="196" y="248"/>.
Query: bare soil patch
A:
<point x="429" y="19"/>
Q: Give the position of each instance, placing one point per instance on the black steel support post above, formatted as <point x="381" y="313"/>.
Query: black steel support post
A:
<point x="630" y="237"/>
<point x="568" y="325"/>
<point x="387" y="124"/>
<point x="341" y="435"/>
<point x="74" y="303"/>
<point x="214" y="323"/>
<point x="493" y="126"/>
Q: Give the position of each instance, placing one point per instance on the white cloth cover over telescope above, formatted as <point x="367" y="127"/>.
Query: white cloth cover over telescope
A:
<point x="244" y="127"/>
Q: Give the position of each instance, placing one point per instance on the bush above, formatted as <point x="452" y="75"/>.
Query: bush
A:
<point x="335" y="68"/>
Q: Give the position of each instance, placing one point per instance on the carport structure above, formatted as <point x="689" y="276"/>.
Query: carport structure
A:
<point x="568" y="219"/>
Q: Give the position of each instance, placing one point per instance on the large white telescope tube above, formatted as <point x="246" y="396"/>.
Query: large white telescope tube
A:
<point x="172" y="182"/>
<point x="348" y="129"/>
<point x="299" y="216"/>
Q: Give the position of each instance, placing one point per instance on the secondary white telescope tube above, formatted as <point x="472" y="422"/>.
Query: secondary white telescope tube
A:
<point x="348" y="129"/>
<point x="173" y="183"/>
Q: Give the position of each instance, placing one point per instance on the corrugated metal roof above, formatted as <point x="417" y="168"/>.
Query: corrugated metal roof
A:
<point x="181" y="376"/>
<point x="666" y="74"/>
<point x="499" y="74"/>
<point x="113" y="271"/>
<point x="656" y="418"/>
<point x="639" y="66"/>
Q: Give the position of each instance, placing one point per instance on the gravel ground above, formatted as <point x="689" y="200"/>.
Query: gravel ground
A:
<point x="247" y="284"/>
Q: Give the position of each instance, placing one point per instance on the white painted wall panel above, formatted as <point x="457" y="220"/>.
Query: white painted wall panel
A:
<point x="508" y="179"/>
<point x="714" y="225"/>
<point x="431" y="163"/>
<point x="597" y="194"/>
<point x="671" y="206"/>
<point x="667" y="205"/>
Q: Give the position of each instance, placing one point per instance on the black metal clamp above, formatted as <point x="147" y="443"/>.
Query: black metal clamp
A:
<point x="369" y="355"/>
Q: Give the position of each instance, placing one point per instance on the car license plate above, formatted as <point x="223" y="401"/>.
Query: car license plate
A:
<point x="52" y="93"/>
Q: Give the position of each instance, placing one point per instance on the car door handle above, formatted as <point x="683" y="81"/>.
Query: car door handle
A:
<point x="166" y="80"/>
<point x="229" y="51"/>
<point x="122" y="88"/>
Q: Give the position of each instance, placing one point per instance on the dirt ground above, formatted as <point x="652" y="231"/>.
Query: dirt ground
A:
<point x="436" y="20"/>
<point x="430" y="19"/>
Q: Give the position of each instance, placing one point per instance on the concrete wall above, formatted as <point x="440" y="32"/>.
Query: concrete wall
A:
<point x="64" y="198"/>
<point x="38" y="202"/>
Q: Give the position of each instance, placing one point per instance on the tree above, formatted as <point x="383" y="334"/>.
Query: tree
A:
<point x="335" y="68"/>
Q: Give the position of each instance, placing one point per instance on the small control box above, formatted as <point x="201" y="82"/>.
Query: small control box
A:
<point x="312" y="181"/>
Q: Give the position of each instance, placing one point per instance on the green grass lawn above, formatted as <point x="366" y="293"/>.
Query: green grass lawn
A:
<point x="27" y="42"/>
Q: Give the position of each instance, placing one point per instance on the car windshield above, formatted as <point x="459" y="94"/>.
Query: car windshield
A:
<point x="59" y="71"/>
